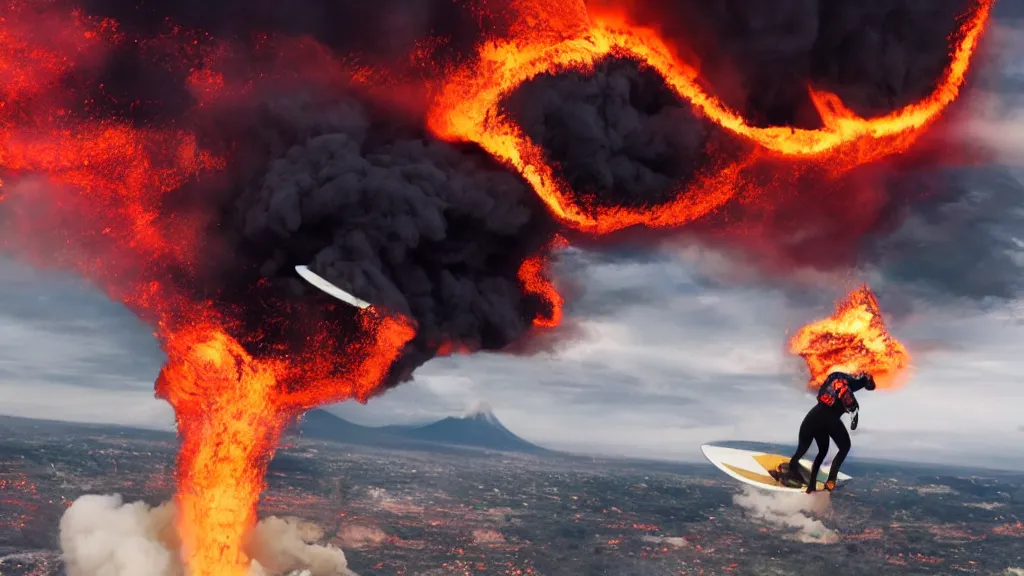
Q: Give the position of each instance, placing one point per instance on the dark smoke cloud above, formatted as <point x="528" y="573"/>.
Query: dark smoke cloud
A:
<point x="760" y="56"/>
<point x="618" y="134"/>
<point x="438" y="231"/>
<point x="430" y="230"/>
<point x="387" y="28"/>
<point x="621" y="135"/>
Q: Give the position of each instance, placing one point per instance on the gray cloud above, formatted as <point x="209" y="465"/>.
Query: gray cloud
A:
<point x="966" y="241"/>
<point x="679" y="362"/>
<point x="673" y="366"/>
<point x="56" y="329"/>
<point x="959" y="233"/>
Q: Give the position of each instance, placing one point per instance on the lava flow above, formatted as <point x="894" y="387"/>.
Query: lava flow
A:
<point x="231" y="409"/>
<point x="853" y="339"/>
<point x="468" y="108"/>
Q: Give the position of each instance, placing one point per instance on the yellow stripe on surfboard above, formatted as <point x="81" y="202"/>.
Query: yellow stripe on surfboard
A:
<point x="768" y="462"/>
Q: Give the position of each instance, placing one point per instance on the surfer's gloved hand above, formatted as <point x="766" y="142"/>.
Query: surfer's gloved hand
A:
<point x="854" y="421"/>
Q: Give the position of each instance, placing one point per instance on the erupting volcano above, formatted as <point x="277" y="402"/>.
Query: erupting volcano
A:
<point x="196" y="220"/>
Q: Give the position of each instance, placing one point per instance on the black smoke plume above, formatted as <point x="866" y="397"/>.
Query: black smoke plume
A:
<point x="437" y="231"/>
<point x="620" y="135"/>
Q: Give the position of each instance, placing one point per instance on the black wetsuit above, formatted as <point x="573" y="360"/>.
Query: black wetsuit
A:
<point x="835" y="398"/>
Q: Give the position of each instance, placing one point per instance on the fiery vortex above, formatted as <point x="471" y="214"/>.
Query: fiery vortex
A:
<point x="105" y="180"/>
<point x="468" y="107"/>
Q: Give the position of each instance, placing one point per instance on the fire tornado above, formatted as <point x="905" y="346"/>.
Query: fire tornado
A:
<point x="196" y="218"/>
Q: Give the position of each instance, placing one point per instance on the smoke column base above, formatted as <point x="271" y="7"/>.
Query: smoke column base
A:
<point x="101" y="535"/>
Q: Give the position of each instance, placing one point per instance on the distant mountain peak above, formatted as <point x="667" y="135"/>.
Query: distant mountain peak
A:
<point x="480" y="407"/>
<point x="478" y="428"/>
<point x="481" y="410"/>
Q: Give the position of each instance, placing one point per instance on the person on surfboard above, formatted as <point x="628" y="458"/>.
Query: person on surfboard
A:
<point x="835" y="398"/>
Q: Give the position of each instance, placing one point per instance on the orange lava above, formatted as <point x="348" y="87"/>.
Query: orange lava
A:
<point x="853" y="339"/>
<point x="554" y="37"/>
<point x="229" y="424"/>
<point x="231" y="410"/>
<point x="1015" y="529"/>
<point x="532" y="276"/>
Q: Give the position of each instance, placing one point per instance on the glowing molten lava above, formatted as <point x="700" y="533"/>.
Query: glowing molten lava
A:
<point x="229" y="423"/>
<point x="98" y="212"/>
<point x="468" y="108"/>
<point x="231" y="410"/>
<point x="853" y="339"/>
<point x="534" y="281"/>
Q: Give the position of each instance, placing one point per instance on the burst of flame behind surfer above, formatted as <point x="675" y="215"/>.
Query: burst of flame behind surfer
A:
<point x="844" y="353"/>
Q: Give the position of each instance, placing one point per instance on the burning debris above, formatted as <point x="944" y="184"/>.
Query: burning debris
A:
<point x="852" y="340"/>
<point x="291" y="158"/>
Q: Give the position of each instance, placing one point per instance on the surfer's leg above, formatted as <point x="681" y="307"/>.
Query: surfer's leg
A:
<point x="821" y="439"/>
<point x="804" y="439"/>
<point x="801" y="449"/>
<point x="838" y="433"/>
<point x="788" y="474"/>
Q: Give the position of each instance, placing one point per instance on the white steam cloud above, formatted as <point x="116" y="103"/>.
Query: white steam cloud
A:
<point x="104" y="536"/>
<point x="790" y="511"/>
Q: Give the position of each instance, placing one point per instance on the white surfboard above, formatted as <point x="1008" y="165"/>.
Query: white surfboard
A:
<point x="332" y="290"/>
<point x="752" y="467"/>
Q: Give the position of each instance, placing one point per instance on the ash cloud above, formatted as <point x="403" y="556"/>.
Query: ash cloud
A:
<point x="105" y="536"/>
<point x="621" y="132"/>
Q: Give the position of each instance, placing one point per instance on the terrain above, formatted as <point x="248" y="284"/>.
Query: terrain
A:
<point x="424" y="509"/>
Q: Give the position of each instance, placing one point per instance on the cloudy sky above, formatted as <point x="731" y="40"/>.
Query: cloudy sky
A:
<point x="673" y="348"/>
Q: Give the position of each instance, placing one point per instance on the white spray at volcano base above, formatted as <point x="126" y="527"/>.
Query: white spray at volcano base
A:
<point x="104" y="536"/>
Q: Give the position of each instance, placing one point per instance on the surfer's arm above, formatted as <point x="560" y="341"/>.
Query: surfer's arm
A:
<point x="853" y="407"/>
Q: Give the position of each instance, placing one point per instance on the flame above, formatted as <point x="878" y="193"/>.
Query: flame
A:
<point x="231" y="411"/>
<point x="229" y="424"/>
<point x="853" y="339"/>
<point x="467" y="107"/>
<point x="534" y="279"/>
